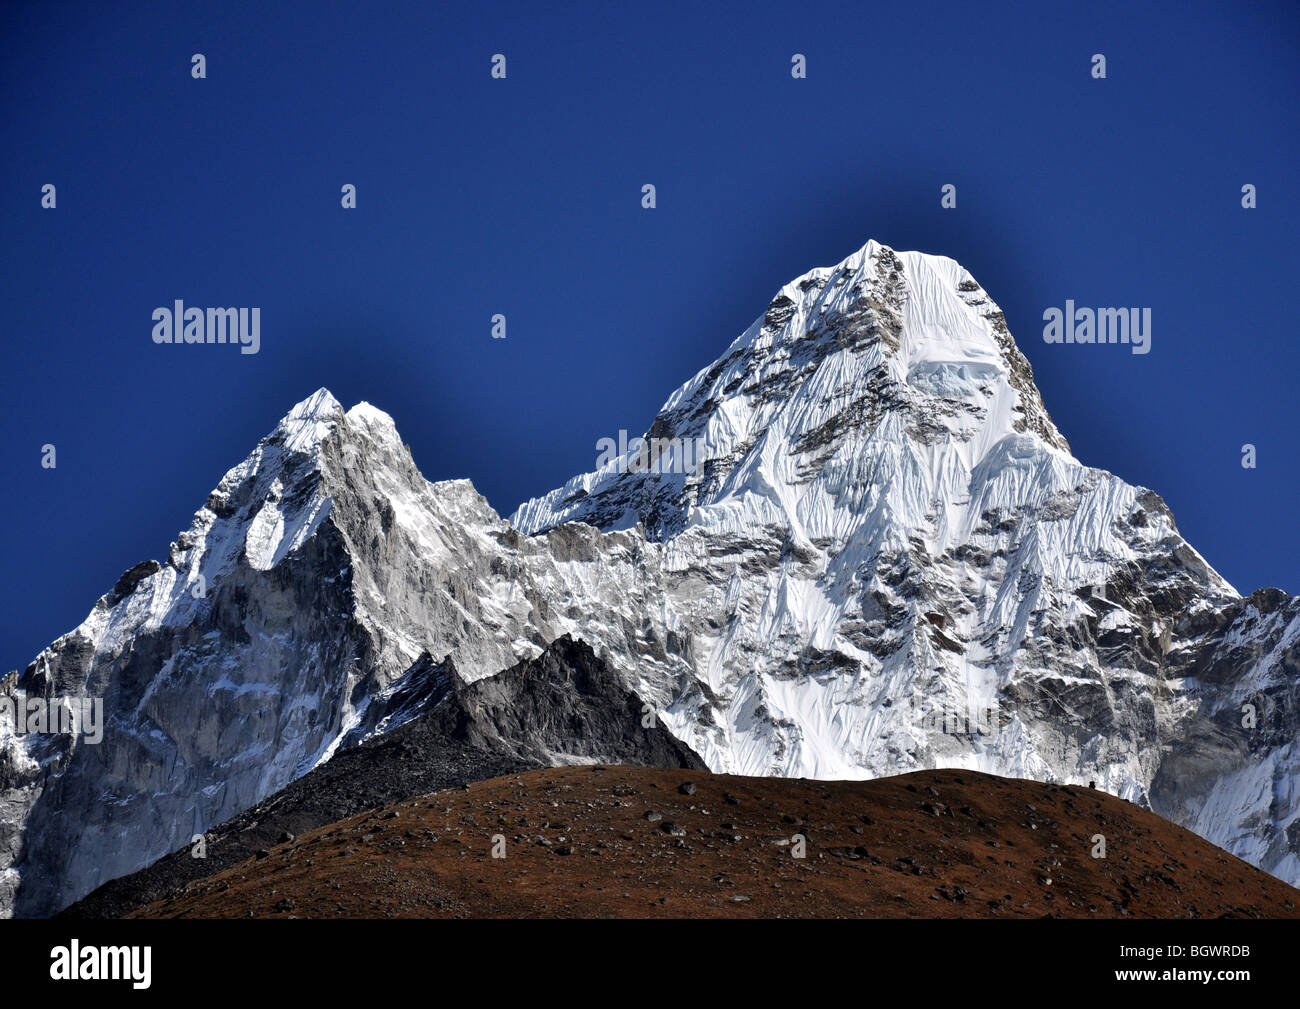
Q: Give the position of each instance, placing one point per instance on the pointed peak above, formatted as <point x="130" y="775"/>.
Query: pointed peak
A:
<point x="852" y="264"/>
<point x="309" y="421"/>
<point x="865" y="254"/>
<point x="319" y="405"/>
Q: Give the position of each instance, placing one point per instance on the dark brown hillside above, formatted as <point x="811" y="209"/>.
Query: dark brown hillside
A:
<point x="628" y="841"/>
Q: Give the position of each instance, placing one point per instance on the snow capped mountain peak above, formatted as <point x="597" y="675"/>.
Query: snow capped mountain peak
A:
<point x="882" y="353"/>
<point x="371" y="418"/>
<point x="320" y="403"/>
<point x="309" y="421"/>
<point x="885" y="536"/>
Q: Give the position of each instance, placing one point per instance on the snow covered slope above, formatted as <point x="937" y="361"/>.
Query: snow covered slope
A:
<point x="888" y="560"/>
<point x="890" y="541"/>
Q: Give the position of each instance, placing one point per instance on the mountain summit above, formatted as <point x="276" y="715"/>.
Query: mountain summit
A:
<point x="887" y="560"/>
<point x="883" y="351"/>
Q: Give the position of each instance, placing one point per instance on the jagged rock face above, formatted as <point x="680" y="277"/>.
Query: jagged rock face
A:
<point x="888" y="533"/>
<point x="564" y="707"/>
<point x="439" y="731"/>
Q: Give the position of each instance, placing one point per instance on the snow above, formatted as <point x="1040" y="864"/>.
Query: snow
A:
<point x="310" y="421"/>
<point x="272" y="534"/>
<point x="876" y="463"/>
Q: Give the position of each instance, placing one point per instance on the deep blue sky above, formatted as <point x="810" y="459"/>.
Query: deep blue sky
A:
<point x="522" y="196"/>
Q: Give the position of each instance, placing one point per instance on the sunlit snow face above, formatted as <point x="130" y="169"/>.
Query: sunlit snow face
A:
<point x="967" y="381"/>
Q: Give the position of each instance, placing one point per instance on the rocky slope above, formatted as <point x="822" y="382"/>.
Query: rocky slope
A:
<point x="627" y="842"/>
<point x="889" y="560"/>
<point x="565" y="706"/>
